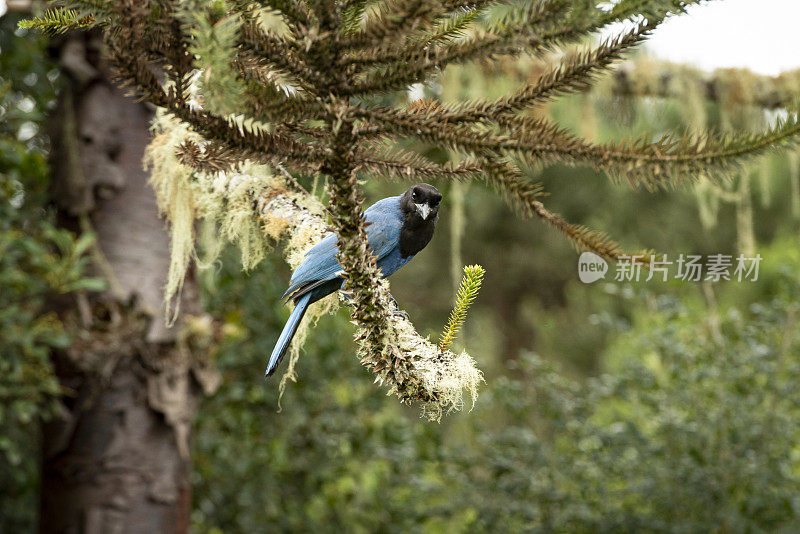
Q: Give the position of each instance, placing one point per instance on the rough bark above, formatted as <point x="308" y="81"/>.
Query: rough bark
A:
<point x="117" y="459"/>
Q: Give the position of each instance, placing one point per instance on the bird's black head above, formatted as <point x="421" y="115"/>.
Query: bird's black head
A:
<point x="420" y="203"/>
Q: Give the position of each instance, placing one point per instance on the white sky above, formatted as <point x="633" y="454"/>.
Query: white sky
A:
<point x="762" y="35"/>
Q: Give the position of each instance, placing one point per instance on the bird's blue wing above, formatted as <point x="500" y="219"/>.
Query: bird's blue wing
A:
<point x="320" y="264"/>
<point x="385" y="220"/>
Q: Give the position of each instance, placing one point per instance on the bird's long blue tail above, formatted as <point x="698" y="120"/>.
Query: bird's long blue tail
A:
<point x="288" y="333"/>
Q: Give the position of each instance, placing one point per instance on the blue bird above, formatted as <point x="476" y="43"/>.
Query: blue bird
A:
<point x="397" y="229"/>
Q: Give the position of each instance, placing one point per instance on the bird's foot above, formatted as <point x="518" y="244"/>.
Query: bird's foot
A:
<point x="397" y="312"/>
<point x="400" y="313"/>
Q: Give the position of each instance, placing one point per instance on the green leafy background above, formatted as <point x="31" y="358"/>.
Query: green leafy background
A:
<point x="607" y="408"/>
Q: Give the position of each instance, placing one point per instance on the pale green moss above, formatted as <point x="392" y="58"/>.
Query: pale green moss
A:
<point x="255" y="208"/>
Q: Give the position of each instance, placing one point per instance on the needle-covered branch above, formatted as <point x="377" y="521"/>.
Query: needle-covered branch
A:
<point x="257" y="206"/>
<point x="280" y="52"/>
<point x="293" y="12"/>
<point x="503" y="176"/>
<point x="318" y="87"/>
<point x="59" y="20"/>
<point x="667" y="161"/>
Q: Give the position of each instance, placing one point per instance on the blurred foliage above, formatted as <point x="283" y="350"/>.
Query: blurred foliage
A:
<point x="27" y="83"/>
<point x="608" y="407"/>
<point x="531" y="293"/>
<point x="657" y="407"/>
<point x="37" y="260"/>
<point x="692" y="428"/>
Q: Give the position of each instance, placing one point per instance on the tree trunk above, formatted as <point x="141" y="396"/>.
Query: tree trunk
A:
<point x="117" y="457"/>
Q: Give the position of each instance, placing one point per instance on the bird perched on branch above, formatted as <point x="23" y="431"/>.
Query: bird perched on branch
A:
<point x="397" y="229"/>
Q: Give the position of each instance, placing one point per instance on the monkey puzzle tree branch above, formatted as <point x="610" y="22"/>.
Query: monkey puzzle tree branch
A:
<point x="370" y="311"/>
<point x="503" y="176"/>
<point x="393" y="23"/>
<point x="573" y="74"/>
<point x="59" y="21"/>
<point x="245" y="207"/>
<point x="583" y="237"/>
<point x="306" y="99"/>
<point x="538" y="28"/>
<point x="395" y="73"/>
<point x="403" y="165"/>
<point x="378" y="348"/>
<point x="413" y="368"/>
<point x="667" y="161"/>
<point x="278" y="51"/>
<point x="294" y="13"/>
<point x="251" y="142"/>
<point x="359" y="264"/>
<point x="242" y="140"/>
<point x="465" y="296"/>
<point x="403" y="62"/>
<point x="271" y="87"/>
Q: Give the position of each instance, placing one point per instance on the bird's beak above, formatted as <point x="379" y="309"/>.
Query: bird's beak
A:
<point x="424" y="210"/>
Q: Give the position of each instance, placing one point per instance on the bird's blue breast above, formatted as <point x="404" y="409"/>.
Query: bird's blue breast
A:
<point x="384" y="223"/>
<point x="392" y="262"/>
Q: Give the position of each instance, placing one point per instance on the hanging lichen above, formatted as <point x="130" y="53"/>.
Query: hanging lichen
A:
<point x="176" y="203"/>
<point x="224" y="200"/>
<point x="319" y="100"/>
<point x="255" y="208"/>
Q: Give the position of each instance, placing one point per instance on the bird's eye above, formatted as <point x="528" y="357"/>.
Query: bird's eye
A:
<point x="414" y="195"/>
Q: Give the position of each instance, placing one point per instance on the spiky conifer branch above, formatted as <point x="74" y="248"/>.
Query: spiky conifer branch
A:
<point x="308" y="102"/>
<point x="278" y="51"/>
<point x="669" y="160"/>
<point x="394" y="21"/>
<point x="533" y="25"/>
<point x="371" y="311"/>
<point x="58" y="20"/>
<point x="293" y="12"/>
